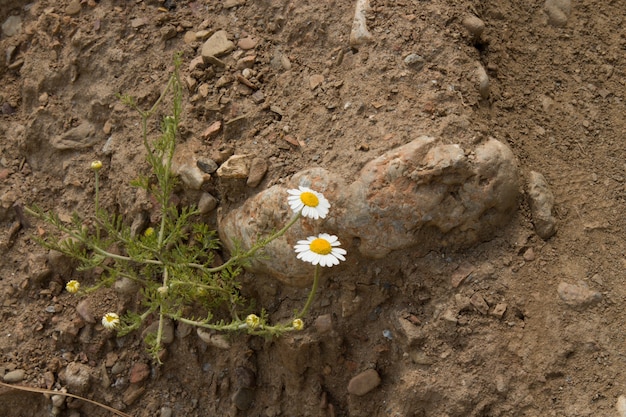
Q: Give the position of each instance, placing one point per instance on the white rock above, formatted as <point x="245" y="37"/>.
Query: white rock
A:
<point x="621" y="406"/>
<point x="359" y="34"/>
<point x="237" y="166"/>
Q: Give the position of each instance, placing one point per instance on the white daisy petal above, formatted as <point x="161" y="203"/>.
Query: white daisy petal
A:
<point x="308" y="202"/>
<point x="320" y="250"/>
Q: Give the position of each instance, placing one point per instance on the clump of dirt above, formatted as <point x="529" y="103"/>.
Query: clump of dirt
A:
<point x="517" y="325"/>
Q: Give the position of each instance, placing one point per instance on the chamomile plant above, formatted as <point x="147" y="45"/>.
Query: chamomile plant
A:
<point x="173" y="261"/>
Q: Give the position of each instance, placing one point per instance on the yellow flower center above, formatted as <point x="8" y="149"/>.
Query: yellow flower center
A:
<point x="321" y="246"/>
<point x="309" y="199"/>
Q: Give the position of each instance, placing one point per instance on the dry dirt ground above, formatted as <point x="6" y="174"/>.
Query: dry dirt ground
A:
<point x="556" y="97"/>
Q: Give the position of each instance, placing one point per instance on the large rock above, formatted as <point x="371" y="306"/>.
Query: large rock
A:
<point x="431" y="195"/>
<point x="267" y="212"/>
<point x="424" y="194"/>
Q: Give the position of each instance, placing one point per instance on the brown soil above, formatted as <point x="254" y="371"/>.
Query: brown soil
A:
<point x="556" y="98"/>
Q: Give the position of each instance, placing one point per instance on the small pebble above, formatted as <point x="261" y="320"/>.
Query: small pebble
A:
<point x="558" y="11"/>
<point x="207" y="203"/>
<point x="414" y="61"/>
<point x="529" y="255"/>
<point x="16" y="375"/>
<point x="84" y="311"/>
<point x="166" y="412"/>
<point x="73" y="7"/>
<point x="364" y="382"/>
<point x="247" y="43"/>
<point x="323" y="324"/>
<point x="139" y="372"/>
<point x="258" y="168"/>
<point x="474" y="26"/>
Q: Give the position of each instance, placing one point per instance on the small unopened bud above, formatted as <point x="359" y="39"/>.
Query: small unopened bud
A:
<point x="72" y="286"/>
<point x="96" y="165"/>
<point x="253" y="321"/>
<point x="297" y="324"/>
<point x="110" y="321"/>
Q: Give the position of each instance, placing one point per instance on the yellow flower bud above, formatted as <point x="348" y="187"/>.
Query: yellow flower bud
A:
<point x="96" y="165"/>
<point x="253" y="321"/>
<point x="149" y="232"/>
<point x="72" y="286"/>
<point x="297" y="324"/>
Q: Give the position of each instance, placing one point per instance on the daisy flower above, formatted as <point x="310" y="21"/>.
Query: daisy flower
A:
<point x="72" y="286"/>
<point x="308" y="202"/>
<point x="320" y="250"/>
<point x="110" y="320"/>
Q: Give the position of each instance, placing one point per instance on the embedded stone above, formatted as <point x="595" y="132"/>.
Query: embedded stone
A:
<point x="425" y="194"/>
<point x="237" y="166"/>
<point x="541" y="201"/>
<point x="258" y="168"/>
<point x="578" y="296"/>
<point x="364" y="382"/>
<point x="218" y="44"/>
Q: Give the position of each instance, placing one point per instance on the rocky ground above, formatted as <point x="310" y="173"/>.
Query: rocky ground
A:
<point x="513" y="309"/>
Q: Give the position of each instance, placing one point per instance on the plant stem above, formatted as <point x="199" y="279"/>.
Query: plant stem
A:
<point x="311" y="294"/>
<point x="251" y="251"/>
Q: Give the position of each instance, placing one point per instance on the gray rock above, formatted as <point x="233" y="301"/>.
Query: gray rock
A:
<point x="558" y="11"/>
<point x="414" y="61"/>
<point x="323" y="324"/>
<point x="541" y="201"/>
<point x="218" y="44"/>
<point x="12" y="26"/>
<point x="126" y="286"/>
<point x="166" y="412"/>
<point x="578" y="296"/>
<point x="184" y="164"/>
<point x="16" y="375"/>
<point x="207" y="203"/>
<point x="77" y="377"/>
<point x="168" y="331"/>
<point x="364" y="382"/>
<point x="83" y="308"/>
<point x="207" y="165"/>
